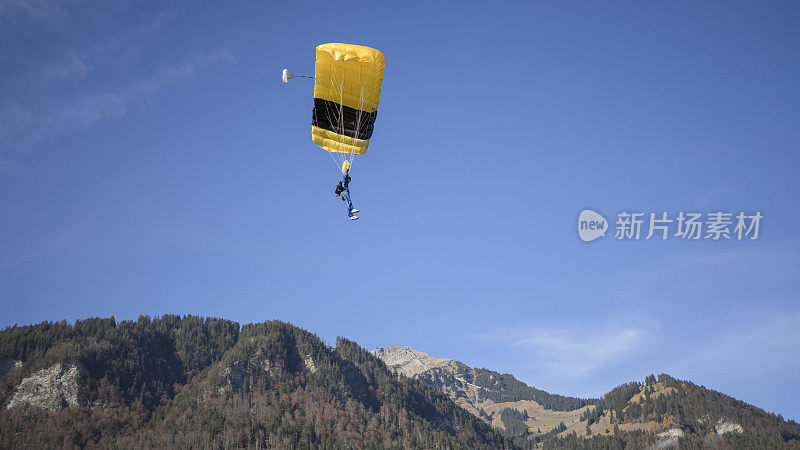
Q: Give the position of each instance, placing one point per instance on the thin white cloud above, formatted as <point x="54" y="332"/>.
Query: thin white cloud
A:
<point x="47" y="87"/>
<point x="147" y="88"/>
<point x="42" y="11"/>
<point x="25" y="125"/>
<point x="576" y="353"/>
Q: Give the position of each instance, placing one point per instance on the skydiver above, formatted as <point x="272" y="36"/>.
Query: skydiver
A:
<point x="343" y="190"/>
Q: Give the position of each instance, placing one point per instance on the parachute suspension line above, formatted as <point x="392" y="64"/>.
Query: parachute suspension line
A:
<point x="339" y="157"/>
<point x="340" y="78"/>
<point x="339" y="82"/>
<point x="335" y="156"/>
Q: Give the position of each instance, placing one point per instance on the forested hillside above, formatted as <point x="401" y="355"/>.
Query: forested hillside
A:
<point x="204" y="382"/>
<point x="506" y="388"/>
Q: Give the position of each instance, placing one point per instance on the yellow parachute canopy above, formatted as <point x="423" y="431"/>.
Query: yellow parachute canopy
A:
<point x="347" y="87"/>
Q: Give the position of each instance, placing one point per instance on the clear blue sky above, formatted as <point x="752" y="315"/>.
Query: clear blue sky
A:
<point x="151" y="162"/>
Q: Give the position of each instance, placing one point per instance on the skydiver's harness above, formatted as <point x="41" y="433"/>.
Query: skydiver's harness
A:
<point x="343" y="189"/>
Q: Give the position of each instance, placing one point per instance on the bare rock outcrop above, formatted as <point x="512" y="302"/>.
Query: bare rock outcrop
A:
<point x="723" y="427"/>
<point x="308" y="364"/>
<point x="235" y="375"/>
<point x="668" y="439"/>
<point x="55" y="388"/>
<point x="409" y="362"/>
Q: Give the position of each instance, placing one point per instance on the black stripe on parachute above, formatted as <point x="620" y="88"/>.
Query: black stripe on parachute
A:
<point x="342" y="119"/>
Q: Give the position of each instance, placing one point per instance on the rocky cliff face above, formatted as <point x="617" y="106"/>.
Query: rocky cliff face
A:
<point x="409" y="362"/>
<point x="54" y="388"/>
<point x="457" y="380"/>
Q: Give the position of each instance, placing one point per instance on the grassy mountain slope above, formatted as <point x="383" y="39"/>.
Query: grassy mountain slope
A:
<point x="665" y="412"/>
<point x="488" y="394"/>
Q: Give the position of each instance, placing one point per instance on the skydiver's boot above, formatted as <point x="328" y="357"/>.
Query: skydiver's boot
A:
<point x="353" y="211"/>
<point x="353" y="217"/>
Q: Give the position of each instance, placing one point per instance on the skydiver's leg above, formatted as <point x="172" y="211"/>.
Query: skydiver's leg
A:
<point x="349" y="206"/>
<point x="352" y="209"/>
<point x="349" y="203"/>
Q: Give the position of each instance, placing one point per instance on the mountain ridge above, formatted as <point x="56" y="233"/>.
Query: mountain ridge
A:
<point x="190" y="381"/>
<point x="196" y="382"/>
<point x="524" y="412"/>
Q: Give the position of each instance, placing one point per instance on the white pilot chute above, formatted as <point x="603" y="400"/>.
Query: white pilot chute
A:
<point x="287" y="75"/>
